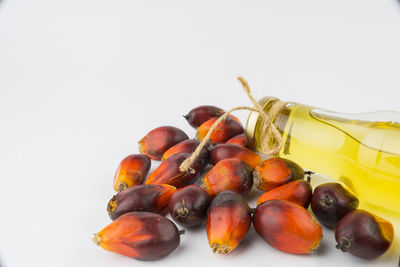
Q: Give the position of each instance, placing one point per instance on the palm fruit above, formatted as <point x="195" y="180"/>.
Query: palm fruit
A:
<point x="131" y="171"/>
<point x="152" y="198"/>
<point x="229" y="174"/>
<point x="228" y="221"/>
<point x="240" y="140"/>
<point x="298" y="192"/>
<point x="287" y="226"/>
<point x="225" y="151"/>
<point x="159" y="140"/>
<point x="201" y="114"/>
<point x="168" y="172"/>
<point x="188" y="146"/>
<point x="331" y="202"/>
<point x="226" y="129"/>
<point x="140" y="235"/>
<point x="364" y="234"/>
<point x="188" y="205"/>
<point x="275" y="172"/>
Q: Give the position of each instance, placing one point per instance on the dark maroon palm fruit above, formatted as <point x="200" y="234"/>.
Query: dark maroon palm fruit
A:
<point x="159" y="140"/>
<point x="201" y="114"/>
<point x="188" y="206"/>
<point x="364" y="234"/>
<point x="151" y="198"/>
<point x="331" y="202"/>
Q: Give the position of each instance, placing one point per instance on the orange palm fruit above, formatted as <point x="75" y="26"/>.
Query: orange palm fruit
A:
<point x="225" y="151"/>
<point x="201" y="114"/>
<point x="168" y="172"/>
<point x="240" y="140"/>
<point x="229" y="174"/>
<point x="228" y="221"/>
<point x="275" y="172"/>
<point x="152" y="198"/>
<point x="188" y="146"/>
<point x="225" y="130"/>
<point x="131" y="171"/>
<point x="298" y="192"/>
<point x="159" y="140"/>
<point x="287" y="226"/>
<point x="140" y="235"/>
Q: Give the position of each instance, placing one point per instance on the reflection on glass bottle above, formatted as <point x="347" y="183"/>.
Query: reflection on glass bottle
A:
<point x="360" y="150"/>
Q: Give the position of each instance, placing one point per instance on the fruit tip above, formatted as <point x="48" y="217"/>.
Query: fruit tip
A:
<point x="256" y="179"/>
<point x="96" y="239"/>
<point x="141" y="149"/>
<point x="220" y="249"/>
<point x="182" y="212"/>
<point x="344" y="244"/>
<point x="314" y="248"/>
<point x="112" y="204"/>
<point x="121" y="186"/>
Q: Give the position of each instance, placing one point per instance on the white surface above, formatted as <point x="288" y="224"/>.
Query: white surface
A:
<point x="82" y="81"/>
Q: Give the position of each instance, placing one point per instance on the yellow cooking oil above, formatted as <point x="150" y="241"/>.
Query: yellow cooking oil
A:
<point x="360" y="150"/>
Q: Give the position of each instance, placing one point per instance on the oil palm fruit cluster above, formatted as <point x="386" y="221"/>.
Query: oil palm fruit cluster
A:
<point x="224" y="173"/>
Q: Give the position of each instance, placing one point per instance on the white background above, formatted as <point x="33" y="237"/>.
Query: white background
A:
<point x="81" y="81"/>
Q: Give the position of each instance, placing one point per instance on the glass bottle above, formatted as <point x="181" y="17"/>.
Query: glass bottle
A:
<point x="359" y="150"/>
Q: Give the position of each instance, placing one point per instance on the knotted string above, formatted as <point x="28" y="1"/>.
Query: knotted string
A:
<point x="271" y="138"/>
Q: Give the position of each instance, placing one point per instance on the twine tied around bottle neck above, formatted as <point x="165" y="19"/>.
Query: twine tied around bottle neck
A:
<point x="271" y="138"/>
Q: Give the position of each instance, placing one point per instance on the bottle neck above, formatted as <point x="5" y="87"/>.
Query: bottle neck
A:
<point x="261" y="139"/>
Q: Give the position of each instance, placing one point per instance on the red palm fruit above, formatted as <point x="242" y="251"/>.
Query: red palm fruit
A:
<point x="201" y="114"/>
<point x="228" y="221"/>
<point x="152" y="198"/>
<point x="331" y="202"/>
<point x="364" y="234"/>
<point x="225" y="130"/>
<point x="168" y="172"/>
<point x="240" y="140"/>
<point x="298" y="192"/>
<point x="287" y="226"/>
<point x="226" y="151"/>
<point x="188" y="146"/>
<point x="159" y="140"/>
<point x="229" y="174"/>
<point x="275" y="172"/>
<point x="188" y="205"/>
<point x="131" y="171"/>
<point x="140" y="235"/>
